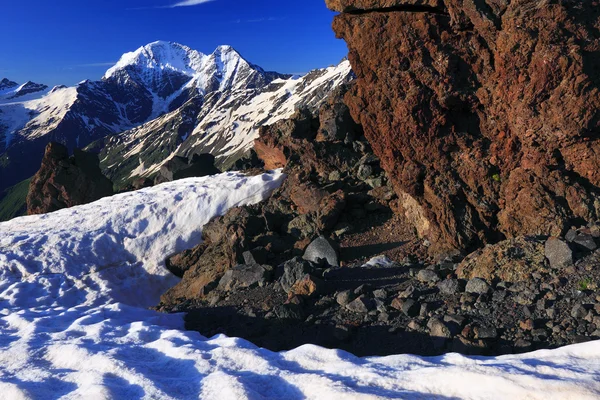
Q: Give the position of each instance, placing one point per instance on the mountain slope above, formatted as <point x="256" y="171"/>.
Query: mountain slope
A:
<point x="223" y="123"/>
<point x="154" y="80"/>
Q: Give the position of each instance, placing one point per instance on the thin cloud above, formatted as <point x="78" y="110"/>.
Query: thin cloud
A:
<point x="188" y="3"/>
<point x="185" y="3"/>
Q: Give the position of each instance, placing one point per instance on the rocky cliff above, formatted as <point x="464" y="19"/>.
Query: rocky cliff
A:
<point x="485" y="113"/>
<point x="64" y="181"/>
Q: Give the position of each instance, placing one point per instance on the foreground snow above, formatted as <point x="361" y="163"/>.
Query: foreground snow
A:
<point x="72" y="325"/>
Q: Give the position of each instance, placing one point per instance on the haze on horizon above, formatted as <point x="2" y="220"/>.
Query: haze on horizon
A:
<point x="68" y="41"/>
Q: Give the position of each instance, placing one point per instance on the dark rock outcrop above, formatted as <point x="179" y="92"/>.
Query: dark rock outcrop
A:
<point x="485" y="114"/>
<point x="64" y="181"/>
<point x="323" y="195"/>
<point x="181" y="167"/>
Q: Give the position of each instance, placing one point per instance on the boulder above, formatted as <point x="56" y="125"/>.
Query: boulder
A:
<point x="294" y="270"/>
<point x="450" y="287"/>
<point x="322" y="249"/>
<point x="428" y="276"/>
<point x="477" y="286"/>
<point x="511" y="260"/>
<point x="361" y="305"/>
<point x="307" y="286"/>
<point x="484" y="114"/>
<point x="64" y="181"/>
<point x="245" y="276"/>
<point x="558" y="253"/>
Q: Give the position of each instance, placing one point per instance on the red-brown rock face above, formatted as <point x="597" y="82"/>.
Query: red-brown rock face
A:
<point x="65" y="182"/>
<point x="485" y="113"/>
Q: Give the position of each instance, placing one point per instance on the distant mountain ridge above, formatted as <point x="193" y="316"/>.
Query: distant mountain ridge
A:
<point x="163" y="86"/>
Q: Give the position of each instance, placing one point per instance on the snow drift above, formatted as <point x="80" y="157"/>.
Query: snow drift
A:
<point x="73" y="286"/>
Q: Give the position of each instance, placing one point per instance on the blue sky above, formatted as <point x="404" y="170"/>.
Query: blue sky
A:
<point x="66" y="41"/>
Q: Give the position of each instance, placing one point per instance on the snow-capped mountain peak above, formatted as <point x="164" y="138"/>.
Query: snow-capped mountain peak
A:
<point x="160" y="55"/>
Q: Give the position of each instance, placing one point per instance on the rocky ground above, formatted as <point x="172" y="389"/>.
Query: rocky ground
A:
<point x="386" y="307"/>
<point x="298" y="268"/>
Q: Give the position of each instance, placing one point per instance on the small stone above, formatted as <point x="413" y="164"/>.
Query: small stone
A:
<point x="579" y="311"/>
<point x="485" y="332"/>
<point x="244" y="276"/>
<point x="586" y="241"/>
<point x="558" y="253"/>
<point x="364" y="172"/>
<point x="414" y="325"/>
<point x="539" y="333"/>
<point x="294" y="270"/>
<point x="363" y="289"/>
<point x="380" y="294"/>
<point x="438" y="329"/>
<point x="335" y="176"/>
<point x="408" y="307"/>
<point x="307" y="286"/>
<point x="424" y="310"/>
<point x="450" y="287"/>
<point x="345" y="297"/>
<point x="257" y="256"/>
<point x="455" y="319"/>
<point x="383" y="317"/>
<point x="428" y="276"/>
<point x="571" y="235"/>
<point x="407" y="293"/>
<point x="288" y="311"/>
<point x="527" y="325"/>
<point x="478" y="286"/>
<point x="322" y="248"/>
<point x="361" y="305"/>
<point x="522" y="345"/>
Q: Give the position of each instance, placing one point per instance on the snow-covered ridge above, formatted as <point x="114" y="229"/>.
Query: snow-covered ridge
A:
<point x="161" y="64"/>
<point x="71" y="327"/>
<point x="226" y="125"/>
<point x="161" y="55"/>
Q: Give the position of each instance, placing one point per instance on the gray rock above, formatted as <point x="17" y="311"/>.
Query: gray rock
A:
<point x="586" y="241"/>
<point x="450" y="287"/>
<point x="255" y="256"/>
<point x="380" y="294"/>
<point x="477" y="286"/>
<point x="428" y="276"/>
<point x="406" y="293"/>
<point x="245" y="276"/>
<point x="579" y="311"/>
<point x="364" y="172"/>
<point x="345" y="297"/>
<point x="294" y="270"/>
<point x="558" y="253"/>
<point x="571" y="235"/>
<point x="361" y="305"/>
<point x="438" y="329"/>
<point x="289" y="311"/>
<point x="410" y="308"/>
<point x="485" y="332"/>
<point x="322" y="248"/>
<point x="363" y="289"/>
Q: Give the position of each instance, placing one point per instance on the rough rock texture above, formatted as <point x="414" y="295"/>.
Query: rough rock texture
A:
<point x="323" y="195"/>
<point x="64" y="181"/>
<point x="485" y="114"/>
<point x="357" y="5"/>
<point x="510" y="260"/>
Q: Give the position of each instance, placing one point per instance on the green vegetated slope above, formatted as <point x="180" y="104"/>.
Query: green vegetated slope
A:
<point x="13" y="201"/>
